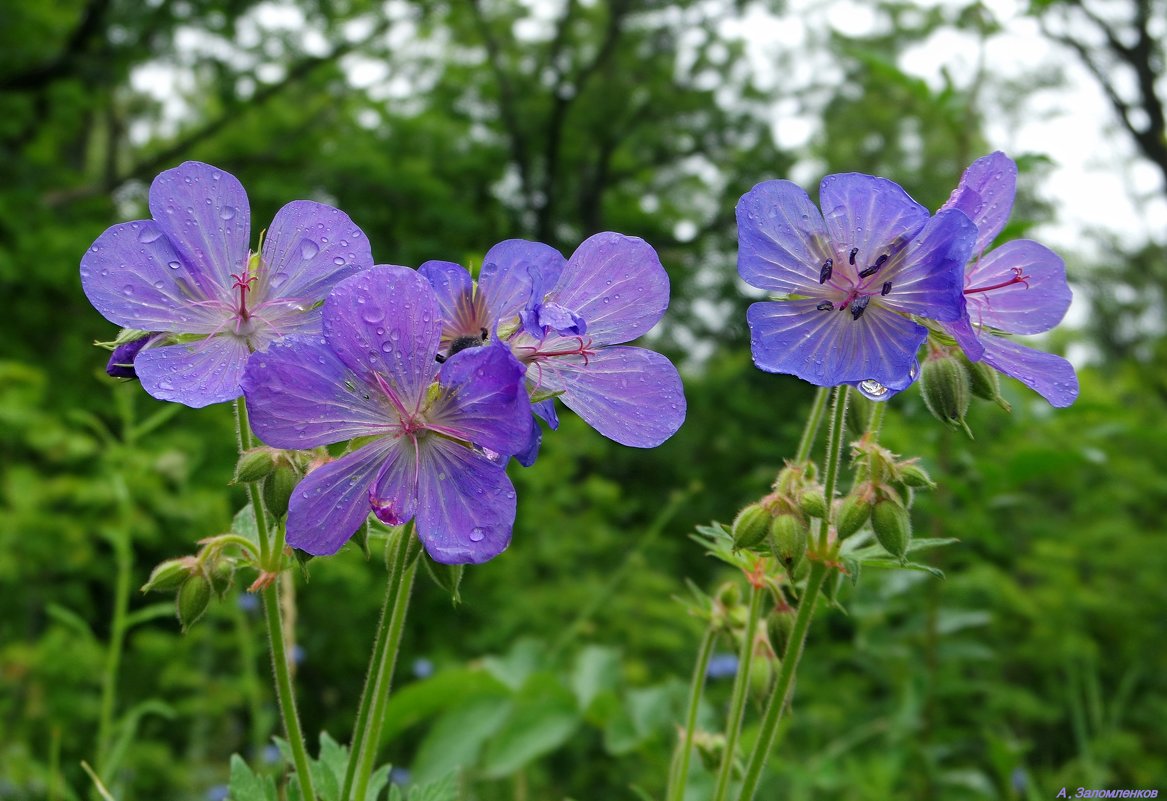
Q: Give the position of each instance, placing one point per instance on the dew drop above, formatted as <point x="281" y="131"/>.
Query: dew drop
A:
<point x="477" y="534"/>
<point x="338" y="261"/>
<point x="279" y="279"/>
<point x="372" y="313"/>
<point x="227" y="212"/>
<point x="308" y="249"/>
<point x="872" y="389"/>
<point x="127" y="290"/>
<point x="149" y="234"/>
<point x="386" y="347"/>
<point x="173" y="265"/>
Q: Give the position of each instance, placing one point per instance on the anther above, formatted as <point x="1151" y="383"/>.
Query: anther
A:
<point x="886" y="288"/>
<point x="825" y="272"/>
<point x="439" y="358"/>
<point x="873" y="269"/>
<point x="858" y="305"/>
<point x="852" y="258"/>
<point x="826" y="305"/>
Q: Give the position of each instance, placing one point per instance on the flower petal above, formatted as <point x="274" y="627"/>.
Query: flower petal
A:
<point x="616" y="284"/>
<point x="530" y="452"/>
<point x="1048" y="375"/>
<point x="332" y="501"/>
<point x="872" y="214"/>
<point x="927" y="277"/>
<point x="133" y="275"/>
<point x="967" y="337"/>
<point x="466" y="503"/>
<point x="782" y="241"/>
<point x="511" y="270"/>
<point x="483" y="399"/>
<point x="454" y="292"/>
<point x="828" y="348"/>
<point x="631" y="395"/>
<point x="205" y="213"/>
<point x="308" y="249"/>
<point x="1030" y="307"/>
<point x="194" y="374"/>
<point x="300" y="395"/>
<point x="393" y="497"/>
<point x="985" y="195"/>
<point x="385" y="321"/>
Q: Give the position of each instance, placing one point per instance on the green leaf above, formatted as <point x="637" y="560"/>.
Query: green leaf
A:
<point x="893" y="564"/>
<point x="424" y="700"/>
<point x="247" y="786"/>
<point x="72" y="620"/>
<point x="543" y="716"/>
<point x="148" y="613"/>
<point x="597" y="668"/>
<point x="456" y="738"/>
<point x="444" y="789"/>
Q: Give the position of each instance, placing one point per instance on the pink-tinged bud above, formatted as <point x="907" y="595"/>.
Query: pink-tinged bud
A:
<point x="254" y="465"/>
<point x="916" y="477"/>
<point x="194" y="596"/>
<point x="750" y="527"/>
<point x="169" y="575"/>
<point x="892" y="526"/>
<point x="853" y="513"/>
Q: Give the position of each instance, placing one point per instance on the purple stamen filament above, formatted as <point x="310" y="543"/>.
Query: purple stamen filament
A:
<point x="1019" y="277"/>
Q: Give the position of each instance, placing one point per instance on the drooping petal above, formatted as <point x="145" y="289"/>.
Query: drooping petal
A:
<point x="205" y="212"/>
<point x="530" y="452"/>
<point x="985" y="195"/>
<point x="133" y="275"/>
<point x="1029" y="306"/>
<point x="385" y="321"/>
<point x="195" y="374"/>
<point x="967" y="337"/>
<point x="782" y="240"/>
<point x="454" y="292"/>
<point x="631" y="395"/>
<point x="872" y="214"/>
<point x="616" y="284"/>
<point x="828" y="348"/>
<point x="121" y="361"/>
<point x="466" y="503"/>
<point x="332" y="501"/>
<point x="483" y="399"/>
<point x="393" y="497"/>
<point x="308" y="249"/>
<point x="927" y="277"/>
<point x="1048" y="375"/>
<point x="512" y="270"/>
<point x="300" y="395"/>
<point x="545" y="410"/>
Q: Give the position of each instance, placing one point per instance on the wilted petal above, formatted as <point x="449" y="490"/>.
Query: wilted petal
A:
<point x="782" y="241"/>
<point x="985" y="195"/>
<point x="310" y="247"/>
<point x="466" y="503"/>
<point x="1028" y="306"/>
<point x="927" y="278"/>
<point x="872" y="214"/>
<point x="300" y="395"/>
<point x="511" y="270"/>
<point x="1048" y="375"/>
<point x="196" y="374"/>
<point x="483" y="399"/>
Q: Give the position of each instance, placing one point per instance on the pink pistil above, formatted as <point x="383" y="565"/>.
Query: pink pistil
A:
<point x="1019" y="277"/>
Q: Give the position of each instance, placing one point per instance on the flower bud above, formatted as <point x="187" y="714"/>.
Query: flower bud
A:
<point x="853" y="513"/>
<point x="750" y="527"/>
<point x="222" y="576"/>
<point x="892" y="526"/>
<point x="985" y="383"/>
<point x="945" y="384"/>
<point x="193" y="598"/>
<point x="780" y="624"/>
<point x="813" y="503"/>
<point x="762" y="670"/>
<point x="729" y="595"/>
<point x="254" y="465"/>
<point x="788" y="536"/>
<point x="169" y="575"/>
<point x="121" y="361"/>
<point x="912" y="475"/>
<point x="277" y="489"/>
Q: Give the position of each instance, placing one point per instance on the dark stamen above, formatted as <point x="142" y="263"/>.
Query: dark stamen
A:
<point x="873" y="269"/>
<point x="439" y="358"/>
<point x="886" y="288"/>
<point x="825" y="272"/>
<point x="858" y="305"/>
<point x="826" y="305"/>
<point x="853" y="252"/>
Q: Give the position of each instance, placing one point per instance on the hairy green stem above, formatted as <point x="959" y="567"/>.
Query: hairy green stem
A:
<point x="680" y="773"/>
<point x="741" y="686"/>
<point x="834" y="459"/>
<point x="810" y="433"/>
<point x="124" y="559"/>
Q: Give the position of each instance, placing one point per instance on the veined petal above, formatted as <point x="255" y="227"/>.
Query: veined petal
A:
<point x="985" y="195"/>
<point x="308" y="249"/>
<point x="616" y="284"/>
<point x="530" y="452"/>
<point x="483" y="399"/>
<point x="1029" y="306"/>
<point x="133" y="275"/>
<point x="205" y="212"/>
<point x="511" y="270"/>
<point x="194" y="374"/>
<point x="332" y="501"/>
<point x="385" y="321"/>
<point x="454" y="292"/>
<point x="1048" y="375"/>
<point x="393" y="497"/>
<point x="872" y="214"/>
<point x="782" y="240"/>
<point x="300" y="395"/>
<point x="967" y="337"/>
<point x="631" y="395"/>
<point x="828" y="348"/>
<point x="466" y="503"/>
<point x="927" y="278"/>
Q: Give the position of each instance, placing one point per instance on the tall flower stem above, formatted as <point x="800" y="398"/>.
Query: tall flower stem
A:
<point x="741" y="685"/>
<point x="810" y="433"/>
<point x="124" y="558"/>
<point x="680" y="770"/>
<point x="402" y="568"/>
<point x="271" y="560"/>
<point x="780" y="696"/>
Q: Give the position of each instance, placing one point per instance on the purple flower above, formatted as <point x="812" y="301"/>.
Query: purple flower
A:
<point x="437" y="451"/>
<point x="188" y="273"/>
<point x="852" y="279"/>
<point x="567" y="321"/>
<point x="1018" y="288"/>
<point x="121" y="361"/>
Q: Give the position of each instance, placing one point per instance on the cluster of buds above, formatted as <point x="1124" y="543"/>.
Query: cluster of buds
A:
<point x="277" y="472"/>
<point x="779" y="522"/>
<point x="948" y="382"/>
<point x="194" y="579"/>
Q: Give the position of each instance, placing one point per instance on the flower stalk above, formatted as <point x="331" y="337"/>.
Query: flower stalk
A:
<point x="741" y="686"/>
<point x="680" y="769"/>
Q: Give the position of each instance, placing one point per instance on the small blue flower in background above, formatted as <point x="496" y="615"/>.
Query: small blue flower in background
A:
<point x="248" y="601"/>
<point x="1019" y="779"/>
<point x="853" y="276"/>
<point x="188" y="274"/>
<point x="297" y="655"/>
<point x="423" y="668"/>
<point x="721" y="666"/>
<point x="219" y="792"/>
<point x="399" y="776"/>
<point x="271" y="754"/>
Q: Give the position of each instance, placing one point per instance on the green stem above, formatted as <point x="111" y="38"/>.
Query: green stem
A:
<point x="875" y="421"/>
<point x="252" y="686"/>
<point x="810" y="433"/>
<point x="834" y="459"/>
<point x="402" y="569"/>
<point x="124" y="558"/>
<point x="741" y="685"/>
<point x="680" y="774"/>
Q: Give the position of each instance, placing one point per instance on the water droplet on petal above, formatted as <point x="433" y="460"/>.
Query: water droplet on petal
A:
<point x="477" y="534"/>
<point x="872" y="389"/>
<point x="173" y="265"/>
<point x="149" y="234"/>
<point x="308" y="249"/>
<point x="227" y="212"/>
<point x="338" y="261"/>
<point x="279" y="279"/>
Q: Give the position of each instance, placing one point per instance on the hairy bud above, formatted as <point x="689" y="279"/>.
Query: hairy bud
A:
<point x="254" y="465"/>
<point x="985" y="383"/>
<point x="788" y="536"/>
<point x="892" y="526"/>
<point x="813" y="503"/>
<point x="194" y="596"/>
<point x="853" y="513"/>
<point x="914" y="476"/>
<point x="945" y="385"/>
<point x="169" y="575"/>
<point x="750" y="527"/>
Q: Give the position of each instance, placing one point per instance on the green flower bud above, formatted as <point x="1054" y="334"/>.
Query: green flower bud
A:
<point x="945" y="384"/>
<point x="853" y="513"/>
<point x="222" y="577"/>
<point x="893" y="527"/>
<point x="762" y="671"/>
<point x="729" y="595"/>
<point x="277" y="489"/>
<point x="985" y="383"/>
<point x="193" y="598"/>
<point x="750" y="527"/>
<point x="913" y="475"/>
<point x="788" y="537"/>
<point x="780" y="624"/>
<point x="254" y="465"/>
<point x="169" y="575"/>
<point x="813" y="503"/>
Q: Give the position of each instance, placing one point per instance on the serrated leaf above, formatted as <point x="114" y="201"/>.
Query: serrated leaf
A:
<point x="245" y="785"/>
<point x="542" y="717"/>
<point x="243" y="524"/>
<point x="444" y="789"/>
<point x="892" y="564"/>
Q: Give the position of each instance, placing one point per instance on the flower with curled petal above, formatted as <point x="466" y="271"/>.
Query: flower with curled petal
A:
<point x="188" y="275"/>
<point x="1018" y="288"/>
<point x="439" y="434"/>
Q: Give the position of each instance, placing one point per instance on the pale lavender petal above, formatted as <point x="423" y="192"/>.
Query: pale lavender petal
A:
<point x="483" y="400"/>
<point x="561" y="320"/>
<point x="393" y="497"/>
<point x="1048" y="375"/>
<point x="927" y="277"/>
<point x="1031" y="306"/>
<point x="332" y="501"/>
<point x="385" y="321"/>
<point x="512" y="270"/>
<point x="872" y="214"/>
<point x="300" y="395"/>
<point x="308" y="249"/>
<point x="205" y="213"/>
<point x="133" y="275"/>
<point x="196" y="374"/>
<point x="616" y="284"/>
<point x="782" y="241"/>
<point x="828" y="348"/>
<point x="631" y="395"/>
<point x="967" y="337"/>
<point x="466" y="503"/>
<point x="454" y="292"/>
<point x="545" y="410"/>
<point x="985" y="195"/>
